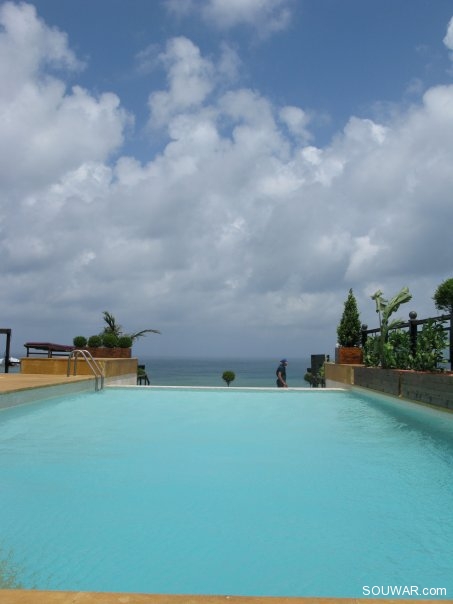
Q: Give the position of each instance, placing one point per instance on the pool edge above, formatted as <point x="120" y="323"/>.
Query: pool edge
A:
<point x="19" y="596"/>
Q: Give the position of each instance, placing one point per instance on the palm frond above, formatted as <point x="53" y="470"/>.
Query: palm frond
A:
<point x="141" y="333"/>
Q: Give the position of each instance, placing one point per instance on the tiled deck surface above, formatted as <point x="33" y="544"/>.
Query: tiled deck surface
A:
<point x="66" y="597"/>
<point x="13" y="382"/>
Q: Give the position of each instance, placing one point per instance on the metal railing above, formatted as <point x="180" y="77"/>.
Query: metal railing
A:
<point x="412" y="326"/>
<point x="92" y="364"/>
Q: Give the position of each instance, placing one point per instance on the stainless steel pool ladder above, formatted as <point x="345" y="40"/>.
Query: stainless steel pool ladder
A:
<point x="92" y="364"/>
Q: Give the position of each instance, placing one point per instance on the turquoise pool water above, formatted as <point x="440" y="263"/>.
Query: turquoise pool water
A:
<point x="287" y="493"/>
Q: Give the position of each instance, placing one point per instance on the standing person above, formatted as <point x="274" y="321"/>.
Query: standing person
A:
<point x="281" y="374"/>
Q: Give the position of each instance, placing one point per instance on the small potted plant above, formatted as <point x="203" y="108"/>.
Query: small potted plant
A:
<point x="80" y="342"/>
<point x="125" y="342"/>
<point x="348" y="351"/>
<point x="94" y="341"/>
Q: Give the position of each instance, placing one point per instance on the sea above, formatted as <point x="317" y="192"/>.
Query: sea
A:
<point x="249" y="373"/>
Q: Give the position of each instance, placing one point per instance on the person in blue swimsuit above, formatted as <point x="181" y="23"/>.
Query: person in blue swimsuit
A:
<point x="281" y="374"/>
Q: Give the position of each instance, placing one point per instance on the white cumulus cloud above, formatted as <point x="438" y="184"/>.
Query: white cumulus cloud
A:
<point x="448" y="40"/>
<point x="238" y="222"/>
<point x="263" y="16"/>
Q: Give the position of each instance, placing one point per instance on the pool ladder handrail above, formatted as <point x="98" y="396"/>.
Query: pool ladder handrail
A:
<point x="92" y="364"/>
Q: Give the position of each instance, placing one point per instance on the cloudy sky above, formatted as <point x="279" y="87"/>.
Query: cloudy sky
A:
<point x="223" y="171"/>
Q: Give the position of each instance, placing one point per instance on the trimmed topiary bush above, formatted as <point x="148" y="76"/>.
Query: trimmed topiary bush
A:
<point x="228" y="376"/>
<point x="349" y="328"/>
<point x="125" y="342"/>
<point x="109" y="340"/>
<point x="80" y="341"/>
<point x="94" y="341"/>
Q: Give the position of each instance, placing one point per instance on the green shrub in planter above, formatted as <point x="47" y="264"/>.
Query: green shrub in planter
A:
<point x="94" y="341"/>
<point x="431" y="343"/>
<point x="125" y="342"/>
<point x="400" y="343"/>
<point x="80" y="341"/>
<point x="349" y="329"/>
<point x="386" y="308"/>
<point x="372" y="351"/>
<point x="109" y="340"/>
<point x="395" y="353"/>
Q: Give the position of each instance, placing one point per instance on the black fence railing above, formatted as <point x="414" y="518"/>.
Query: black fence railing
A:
<point x="412" y="326"/>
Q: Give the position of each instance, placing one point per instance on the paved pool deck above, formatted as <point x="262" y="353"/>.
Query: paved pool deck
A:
<point x="15" y="382"/>
<point x="67" y="597"/>
<point x="21" y="388"/>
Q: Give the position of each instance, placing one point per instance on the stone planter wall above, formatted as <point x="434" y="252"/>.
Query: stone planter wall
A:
<point x="428" y="388"/>
<point x="382" y="380"/>
<point x="423" y="387"/>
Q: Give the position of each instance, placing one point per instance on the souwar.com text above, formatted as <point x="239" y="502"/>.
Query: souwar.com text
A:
<point x="403" y="590"/>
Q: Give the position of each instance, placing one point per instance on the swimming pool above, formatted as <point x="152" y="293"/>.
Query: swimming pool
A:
<point x="228" y="492"/>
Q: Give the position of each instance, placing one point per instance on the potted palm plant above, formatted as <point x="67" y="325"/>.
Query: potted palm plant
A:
<point x="112" y="342"/>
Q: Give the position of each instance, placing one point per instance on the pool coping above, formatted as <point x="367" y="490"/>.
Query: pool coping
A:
<point x="21" y="389"/>
<point x="24" y="388"/>
<point x="19" y="596"/>
<point x="236" y="388"/>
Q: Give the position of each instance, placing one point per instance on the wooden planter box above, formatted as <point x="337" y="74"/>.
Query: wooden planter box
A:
<point x="348" y="356"/>
<point x="109" y="353"/>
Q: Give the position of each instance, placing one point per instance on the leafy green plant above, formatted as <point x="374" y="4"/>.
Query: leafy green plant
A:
<point x="443" y="296"/>
<point x="110" y="340"/>
<point x="385" y="309"/>
<point x="124" y="341"/>
<point x="228" y="377"/>
<point x="443" y="299"/>
<point x="400" y="343"/>
<point x="349" y="328"/>
<point x="113" y="327"/>
<point x="112" y="335"/>
<point x="94" y="341"/>
<point x="111" y="324"/>
<point x="308" y="377"/>
<point x="431" y="343"/>
<point x="80" y="341"/>
<point x="315" y="379"/>
<point x="396" y="352"/>
<point x="371" y="352"/>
